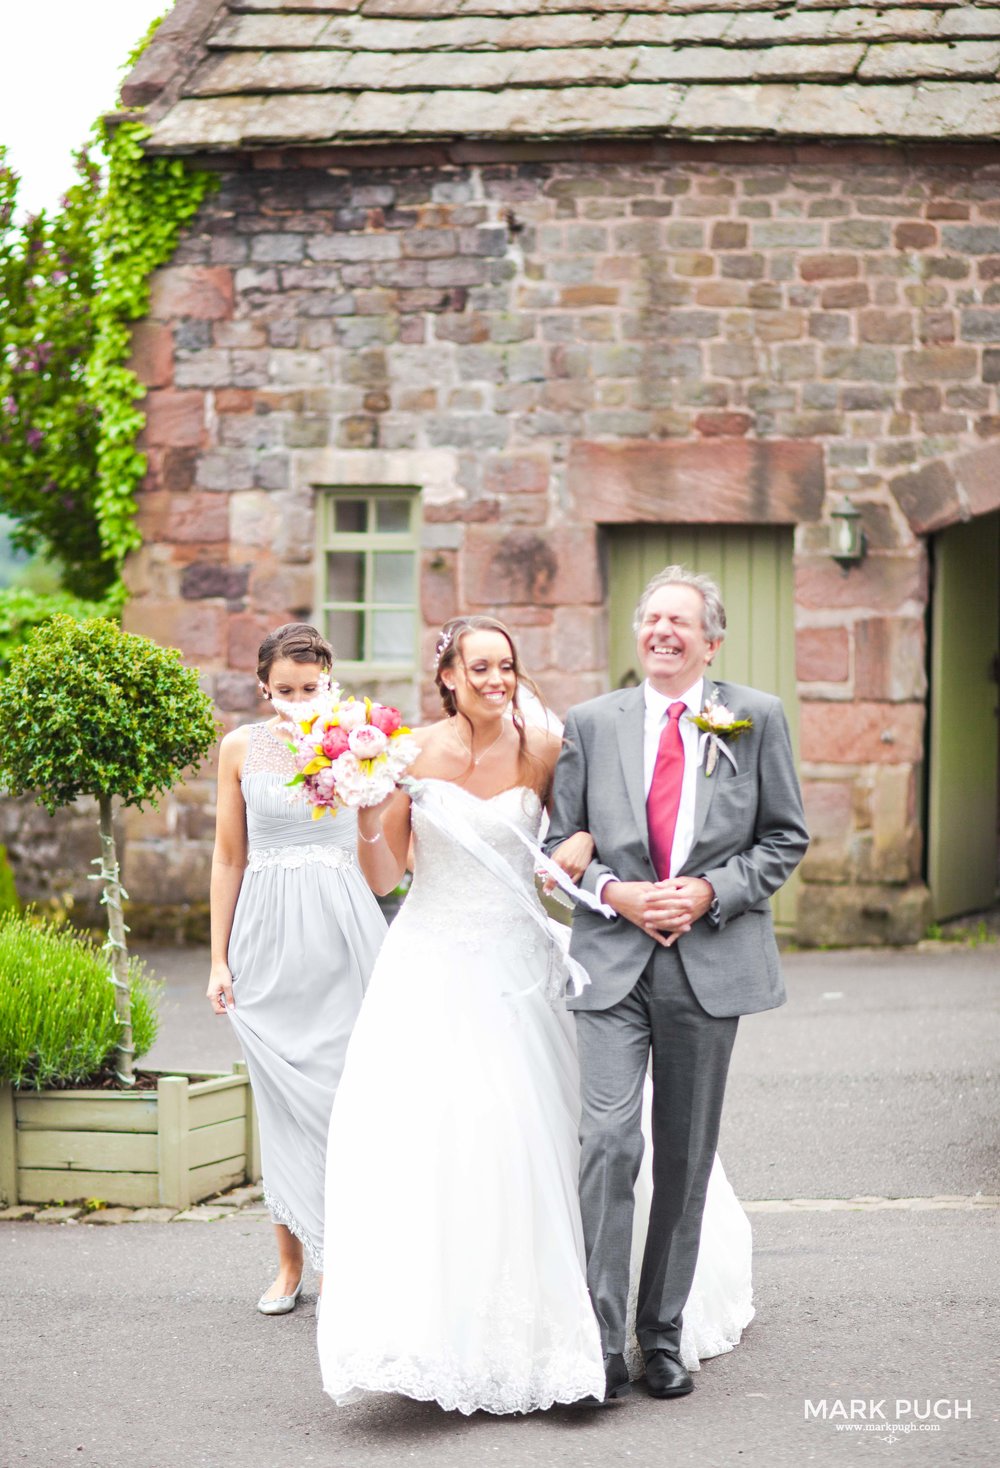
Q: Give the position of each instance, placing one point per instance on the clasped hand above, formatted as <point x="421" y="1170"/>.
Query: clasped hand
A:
<point x="664" y="909"/>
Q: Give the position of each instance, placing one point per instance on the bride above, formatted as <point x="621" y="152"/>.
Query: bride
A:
<point x="454" y="1260"/>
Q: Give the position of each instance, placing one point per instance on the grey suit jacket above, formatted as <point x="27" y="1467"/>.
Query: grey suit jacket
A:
<point x="749" y="835"/>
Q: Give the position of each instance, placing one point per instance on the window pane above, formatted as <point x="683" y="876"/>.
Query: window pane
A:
<point x="393" y="576"/>
<point x="393" y="636"/>
<point x="344" y="631"/>
<point x="393" y="516"/>
<point x="345" y="576"/>
<point x="350" y="517"/>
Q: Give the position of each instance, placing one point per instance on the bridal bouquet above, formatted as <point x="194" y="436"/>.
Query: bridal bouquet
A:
<point x="348" y="751"/>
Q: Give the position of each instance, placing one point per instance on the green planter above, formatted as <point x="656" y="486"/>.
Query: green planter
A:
<point x="192" y="1137"/>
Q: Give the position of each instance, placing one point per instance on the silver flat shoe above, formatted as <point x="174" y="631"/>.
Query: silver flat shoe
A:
<point x="283" y="1305"/>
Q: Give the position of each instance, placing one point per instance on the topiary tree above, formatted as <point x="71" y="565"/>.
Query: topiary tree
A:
<point x="87" y="709"/>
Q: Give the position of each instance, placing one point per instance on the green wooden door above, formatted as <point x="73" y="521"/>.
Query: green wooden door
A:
<point x="753" y="566"/>
<point x="962" y="743"/>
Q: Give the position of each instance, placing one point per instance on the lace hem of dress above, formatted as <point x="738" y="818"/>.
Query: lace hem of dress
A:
<point x="262" y="858"/>
<point x="280" y="1213"/>
<point x="498" y="1388"/>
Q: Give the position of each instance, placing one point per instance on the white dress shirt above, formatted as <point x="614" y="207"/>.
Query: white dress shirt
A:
<point x="655" y="719"/>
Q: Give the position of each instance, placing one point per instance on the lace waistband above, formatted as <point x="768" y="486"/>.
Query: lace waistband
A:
<point x="314" y="854"/>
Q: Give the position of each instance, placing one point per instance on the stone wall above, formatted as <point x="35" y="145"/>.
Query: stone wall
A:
<point x="735" y="335"/>
<point x="52" y="856"/>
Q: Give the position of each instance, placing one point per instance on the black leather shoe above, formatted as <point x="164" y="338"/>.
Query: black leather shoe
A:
<point x="666" y="1377"/>
<point x="616" y="1384"/>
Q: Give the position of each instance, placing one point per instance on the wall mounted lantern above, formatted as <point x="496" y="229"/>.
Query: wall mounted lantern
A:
<point x="847" y="539"/>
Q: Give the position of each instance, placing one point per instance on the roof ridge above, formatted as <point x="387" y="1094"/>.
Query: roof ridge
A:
<point x="174" y="50"/>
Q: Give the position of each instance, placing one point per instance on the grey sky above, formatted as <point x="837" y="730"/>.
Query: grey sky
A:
<point x="62" y="67"/>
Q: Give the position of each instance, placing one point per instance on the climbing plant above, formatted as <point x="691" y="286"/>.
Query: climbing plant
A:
<point x="49" y="427"/>
<point x="71" y="285"/>
<point x="145" y="205"/>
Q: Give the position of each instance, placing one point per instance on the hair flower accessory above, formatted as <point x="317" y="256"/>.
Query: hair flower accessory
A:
<point x="348" y="751"/>
<point x="717" y="723"/>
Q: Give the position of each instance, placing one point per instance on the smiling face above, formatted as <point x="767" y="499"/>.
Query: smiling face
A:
<point x="292" y="682"/>
<point x="483" y="677"/>
<point x="671" y="642"/>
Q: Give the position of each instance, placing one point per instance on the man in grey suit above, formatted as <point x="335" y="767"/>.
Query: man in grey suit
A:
<point x="693" y="834"/>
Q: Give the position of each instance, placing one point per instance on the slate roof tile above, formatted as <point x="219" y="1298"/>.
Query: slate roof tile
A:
<point x="237" y="73"/>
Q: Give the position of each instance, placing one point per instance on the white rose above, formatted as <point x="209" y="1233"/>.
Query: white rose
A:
<point x="367" y="742"/>
<point x="719" y="716"/>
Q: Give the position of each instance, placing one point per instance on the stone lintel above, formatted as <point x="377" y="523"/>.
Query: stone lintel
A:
<point x="730" y="481"/>
<point x="940" y="494"/>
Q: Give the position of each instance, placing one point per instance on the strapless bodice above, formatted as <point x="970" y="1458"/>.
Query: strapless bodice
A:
<point x="451" y="888"/>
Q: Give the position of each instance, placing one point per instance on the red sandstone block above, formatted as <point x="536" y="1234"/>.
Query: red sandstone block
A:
<point x="589" y="295"/>
<point x="895" y="327"/>
<point x="234" y="400"/>
<point x="978" y="475"/>
<point x="822" y="654"/>
<point x="516" y="473"/>
<point x="203" y="291"/>
<point x="861" y="733"/>
<point x="728" y="234"/>
<point x="438" y="586"/>
<point x="844" y="297"/>
<point x="921" y="399"/>
<point x="524" y="566"/>
<point x="911" y="235"/>
<point x="828" y="267"/>
<point x="199" y="631"/>
<point x="882" y="583"/>
<point x="723" y="425"/>
<point x="730" y="481"/>
<point x="889" y="659"/>
<point x="829" y="806"/>
<point x="946" y="209"/>
<point x="941" y="364"/>
<point x="245" y="633"/>
<point x="197" y="517"/>
<point x="937" y="326"/>
<point x="174" y="419"/>
<point x="575" y="397"/>
<point x="720" y="293"/>
<point x="152" y="358"/>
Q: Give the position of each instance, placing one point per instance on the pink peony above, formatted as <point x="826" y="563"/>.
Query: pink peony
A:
<point x="385" y="718"/>
<point x="367" y="742"/>
<point x="335" y="741"/>
<point x="326" y="783"/>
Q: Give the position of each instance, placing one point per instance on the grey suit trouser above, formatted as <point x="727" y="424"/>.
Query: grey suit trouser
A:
<point x="690" y="1061"/>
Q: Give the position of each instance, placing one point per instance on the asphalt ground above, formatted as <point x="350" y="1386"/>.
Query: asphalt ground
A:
<point x="138" y="1346"/>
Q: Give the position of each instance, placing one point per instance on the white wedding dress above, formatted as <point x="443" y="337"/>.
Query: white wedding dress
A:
<point x="454" y="1264"/>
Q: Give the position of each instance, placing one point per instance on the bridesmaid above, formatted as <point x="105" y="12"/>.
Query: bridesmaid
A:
<point x="295" y="933"/>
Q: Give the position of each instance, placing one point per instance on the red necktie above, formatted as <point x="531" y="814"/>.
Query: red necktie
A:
<point x="664" y="799"/>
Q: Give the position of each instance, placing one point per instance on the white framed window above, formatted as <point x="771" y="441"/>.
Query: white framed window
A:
<point x="367" y="593"/>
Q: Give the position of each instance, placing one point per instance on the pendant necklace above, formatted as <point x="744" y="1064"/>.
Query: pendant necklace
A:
<point x="475" y="758"/>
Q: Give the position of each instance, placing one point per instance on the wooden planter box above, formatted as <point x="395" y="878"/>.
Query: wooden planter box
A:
<point x="194" y="1136"/>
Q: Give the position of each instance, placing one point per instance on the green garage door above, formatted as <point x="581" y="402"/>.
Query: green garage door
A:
<point x="753" y="566"/>
<point x="962" y="731"/>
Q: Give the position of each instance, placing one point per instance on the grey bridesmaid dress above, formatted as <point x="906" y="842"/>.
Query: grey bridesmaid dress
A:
<point x="305" y="936"/>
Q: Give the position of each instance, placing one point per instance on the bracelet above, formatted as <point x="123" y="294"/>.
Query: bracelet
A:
<point x="369" y="840"/>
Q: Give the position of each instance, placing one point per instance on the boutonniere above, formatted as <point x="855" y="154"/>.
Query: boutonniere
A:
<point x="717" y="723"/>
